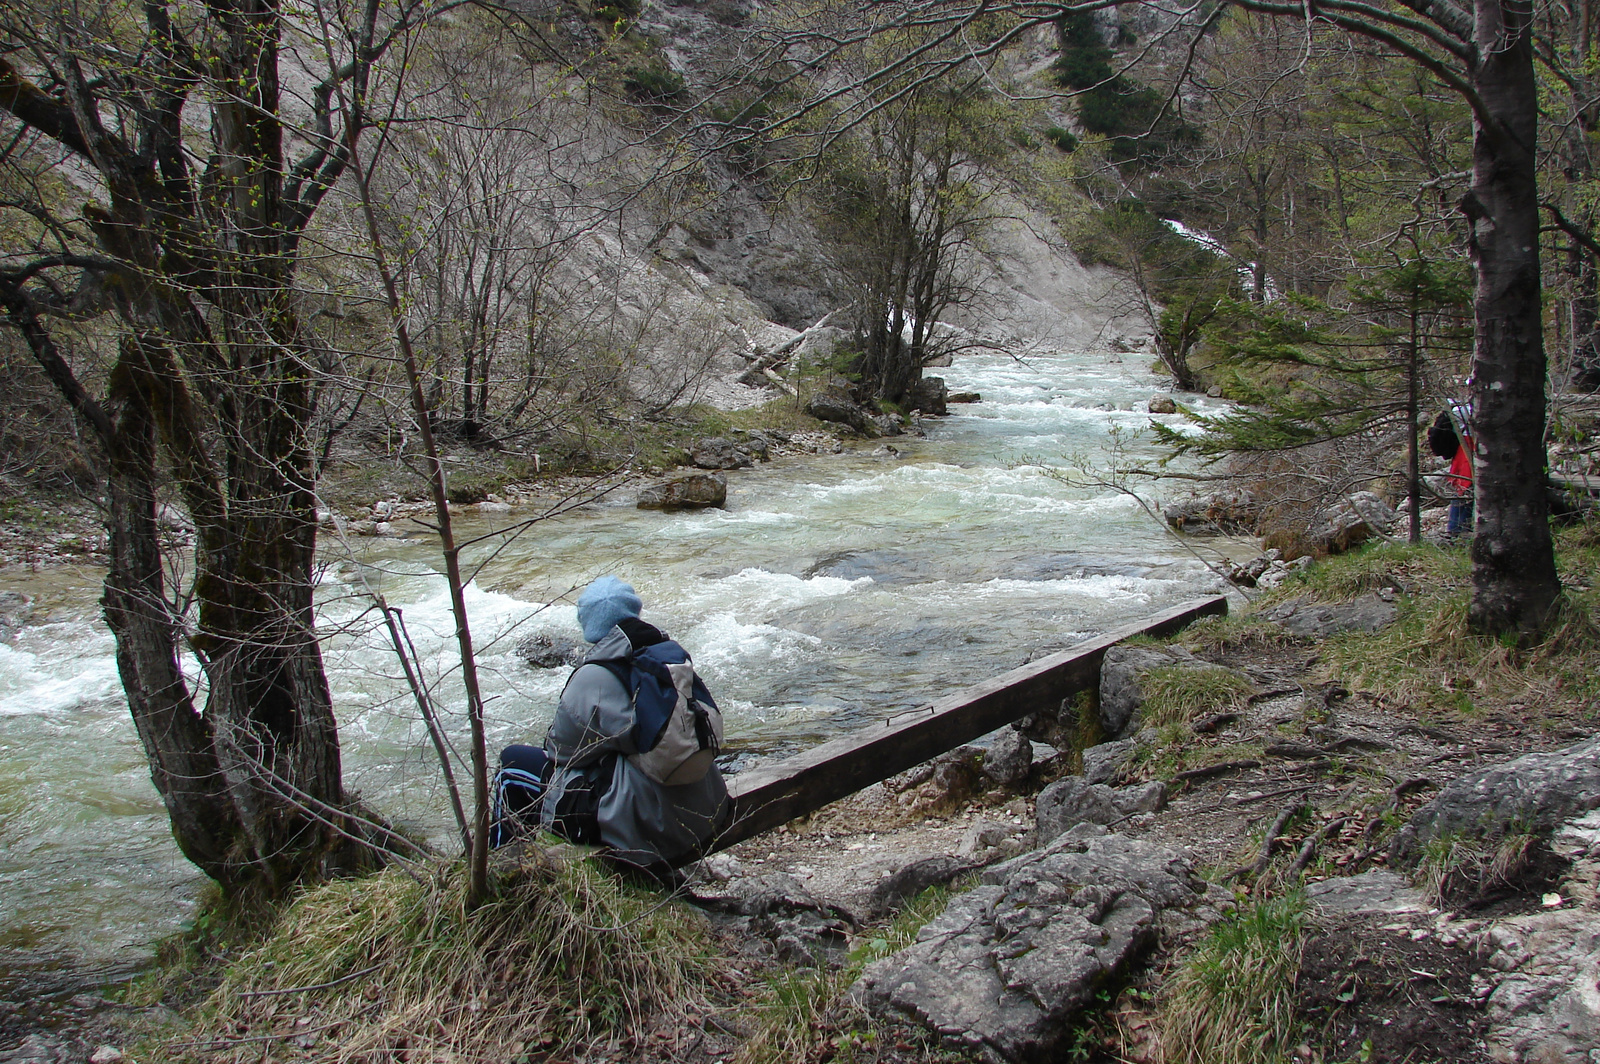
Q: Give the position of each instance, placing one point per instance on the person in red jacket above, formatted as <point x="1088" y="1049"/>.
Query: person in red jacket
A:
<point x="1451" y="438"/>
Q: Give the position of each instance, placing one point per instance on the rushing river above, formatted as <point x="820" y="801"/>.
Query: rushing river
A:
<point x="832" y="591"/>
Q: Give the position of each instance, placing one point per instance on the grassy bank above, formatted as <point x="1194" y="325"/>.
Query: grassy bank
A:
<point x="563" y="960"/>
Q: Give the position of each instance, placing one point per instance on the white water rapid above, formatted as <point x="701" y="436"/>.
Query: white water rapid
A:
<point x="831" y="591"/>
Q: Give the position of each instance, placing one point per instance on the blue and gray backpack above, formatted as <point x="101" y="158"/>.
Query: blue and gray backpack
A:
<point x="677" y="727"/>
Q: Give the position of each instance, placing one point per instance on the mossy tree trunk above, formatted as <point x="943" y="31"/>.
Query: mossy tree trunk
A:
<point x="211" y="390"/>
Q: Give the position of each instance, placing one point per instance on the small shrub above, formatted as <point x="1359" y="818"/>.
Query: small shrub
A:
<point x="1063" y="139"/>
<point x="562" y="953"/>
<point x="653" y="83"/>
<point x="1175" y="696"/>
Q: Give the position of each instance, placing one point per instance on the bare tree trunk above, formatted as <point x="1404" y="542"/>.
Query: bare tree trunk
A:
<point x="1514" y="583"/>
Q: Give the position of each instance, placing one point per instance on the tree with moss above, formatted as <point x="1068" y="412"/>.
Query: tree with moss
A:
<point x="162" y="179"/>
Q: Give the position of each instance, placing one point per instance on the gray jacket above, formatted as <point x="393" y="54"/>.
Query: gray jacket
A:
<point x="644" y="822"/>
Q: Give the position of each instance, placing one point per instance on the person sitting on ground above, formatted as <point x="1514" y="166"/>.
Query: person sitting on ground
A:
<point x="590" y="782"/>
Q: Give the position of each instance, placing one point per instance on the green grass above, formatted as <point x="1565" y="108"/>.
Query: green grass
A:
<point x="1175" y="695"/>
<point x="1232" y="1001"/>
<point x="392" y="966"/>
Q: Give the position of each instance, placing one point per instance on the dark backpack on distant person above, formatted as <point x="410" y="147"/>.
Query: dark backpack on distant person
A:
<point x="1442" y="438"/>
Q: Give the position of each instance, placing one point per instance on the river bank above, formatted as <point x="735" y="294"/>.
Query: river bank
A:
<point x="1345" y="727"/>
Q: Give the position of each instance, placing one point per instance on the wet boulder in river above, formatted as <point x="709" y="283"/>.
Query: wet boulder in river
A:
<point x="697" y="491"/>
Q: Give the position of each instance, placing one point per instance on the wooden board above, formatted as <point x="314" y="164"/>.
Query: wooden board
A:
<point x="770" y="795"/>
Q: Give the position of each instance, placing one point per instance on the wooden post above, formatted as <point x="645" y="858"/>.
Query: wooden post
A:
<point x="770" y="795"/>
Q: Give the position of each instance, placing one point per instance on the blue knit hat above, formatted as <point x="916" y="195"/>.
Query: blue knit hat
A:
<point x="604" y="603"/>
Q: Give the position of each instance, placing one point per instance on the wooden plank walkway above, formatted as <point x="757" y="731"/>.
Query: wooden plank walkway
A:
<point x="770" y="795"/>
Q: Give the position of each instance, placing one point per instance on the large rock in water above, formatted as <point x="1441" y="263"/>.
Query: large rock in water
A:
<point x="693" y="492"/>
<point x="839" y="409"/>
<point x="1008" y="964"/>
<point x="930" y="395"/>
<point x="1535" y="793"/>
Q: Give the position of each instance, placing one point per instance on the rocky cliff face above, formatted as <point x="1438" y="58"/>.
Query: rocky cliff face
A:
<point x="735" y="263"/>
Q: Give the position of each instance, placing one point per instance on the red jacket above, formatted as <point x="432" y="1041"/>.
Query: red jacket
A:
<point x="1460" y="474"/>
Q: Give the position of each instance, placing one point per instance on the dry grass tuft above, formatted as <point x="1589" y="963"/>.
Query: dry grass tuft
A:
<point x="1178" y="695"/>
<point x="393" y="967"/>
<point x="1232" y="1002"/>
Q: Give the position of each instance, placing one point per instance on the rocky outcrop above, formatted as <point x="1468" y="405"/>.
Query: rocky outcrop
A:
<point x="1310" y="619"/>
<point x="1545" y="1008"/>
<point x="718" y="452"/>
<point x="1009" y="758"/>
<point x="1267" y="570"/>
<point x="694" y="492"/>
<point x="1535" y="793"/>
<point x="947" y="780"/>
<point x="1072" y="801"/>
<point x="801" y="923"/>
<point x="1350" y="522"/>
<point x="1103" y="763"/>
<point x="1006" y="966"/>
<point x="777" y="907"/>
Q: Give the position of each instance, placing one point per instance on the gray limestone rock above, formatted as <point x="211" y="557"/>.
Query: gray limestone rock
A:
<point x="1072" y="801"/>
<point x="1546" y="1009"/>
<point x="1534" y="793"/>
<point x="1009" y="757"/>
<point x="1007" y="965"/>
<point x="1314" y="620"/>
<point x="1378" y="891"/>
<point x="693" y="492"/>
<point x="897" y="879"/>
<point x="982" y="837"/>
<point x="38" y="1049"/>
<point x="717" y="452"/>
<point x="1162" y="404"/>
<point x="1105" y="762"/>
<point x="776" y="907"/>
